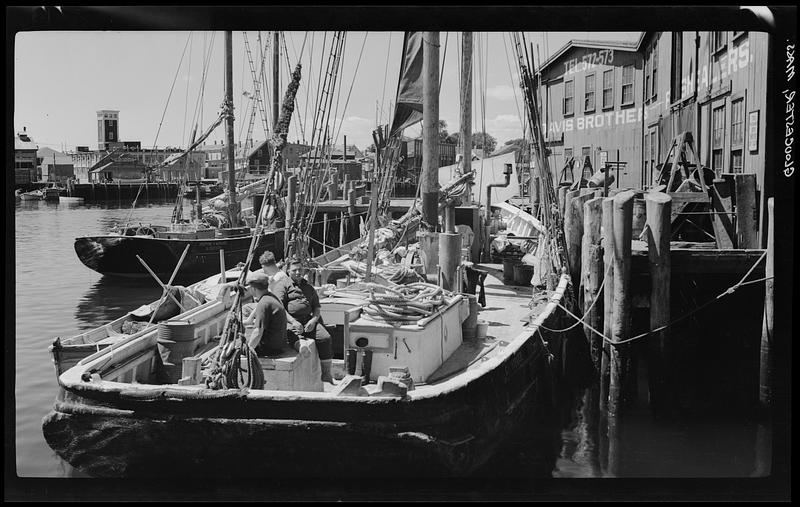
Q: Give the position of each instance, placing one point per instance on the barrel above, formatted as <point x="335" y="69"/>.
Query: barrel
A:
<point x="176" y="340"/>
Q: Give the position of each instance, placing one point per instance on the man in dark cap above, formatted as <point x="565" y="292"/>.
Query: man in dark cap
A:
<point x="268" y="337"/>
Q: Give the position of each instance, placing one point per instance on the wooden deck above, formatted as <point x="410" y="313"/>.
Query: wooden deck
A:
<point x="507" y="314"/>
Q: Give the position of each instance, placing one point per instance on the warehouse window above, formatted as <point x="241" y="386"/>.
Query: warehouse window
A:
<point x="627" y="85"/>
<point x="569" y="97"/>
<point x="718" y="139"/>
<point x="677" y="65"/>
<point x="720" y="41"/>
<point x="608" y="89"/>
<point x="588" y="103"/>
<point x="654" y="70"/>
<point x="737" y="135"/>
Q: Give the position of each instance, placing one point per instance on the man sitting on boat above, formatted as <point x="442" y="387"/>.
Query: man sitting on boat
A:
<point x="270" y="267"/>
<point x="303" y="311"/>
<point x="268" y="337"/>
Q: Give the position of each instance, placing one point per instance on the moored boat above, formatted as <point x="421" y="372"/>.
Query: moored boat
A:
<point x="33" y="195"/>
<point x="113" y="417"/>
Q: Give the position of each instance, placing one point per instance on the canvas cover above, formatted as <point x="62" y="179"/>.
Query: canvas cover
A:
<point x="408" y="106"/>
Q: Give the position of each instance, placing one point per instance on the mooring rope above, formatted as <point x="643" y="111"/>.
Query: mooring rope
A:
<point x="726" y="292"/>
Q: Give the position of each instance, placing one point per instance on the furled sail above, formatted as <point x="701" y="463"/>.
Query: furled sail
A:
<point x="408" y="106"/>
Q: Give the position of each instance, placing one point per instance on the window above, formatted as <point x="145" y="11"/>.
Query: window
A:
<point x="736" y="35"/>
<point x="588" y="104"/>
<point x="737" y="122"/>
<point x="567" y="154"/>
<point x="717" y="139"/>
<point x="608" y="89"/>
<point x="646" y="153"/>
<point x="569" y="97"/>
<point x="627" y="85"/>
<point x="737" y="135"/>
<point x="654" y="68"/>
<point x="677" y="65"/>
<point x="647" y="66"/>
<point x="653" y="148"/>
<point x="720" y="41"/>
<point x="586" y="151"/>
<point x="736" y="161"/>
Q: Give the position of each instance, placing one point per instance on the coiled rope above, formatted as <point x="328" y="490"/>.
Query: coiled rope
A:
<point x="404" y="303"/>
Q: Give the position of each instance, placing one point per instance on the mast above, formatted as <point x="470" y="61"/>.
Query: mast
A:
<point x="466" y="107"/>
<point x="430" y="130"/>
<point x="232" y="204"/>
<point x="275" y="79"/>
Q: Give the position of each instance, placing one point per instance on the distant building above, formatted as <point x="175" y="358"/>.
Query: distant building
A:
<point x="107" y="129"/>
<point x="54" y="166"/>
<point x="24" y="158"/>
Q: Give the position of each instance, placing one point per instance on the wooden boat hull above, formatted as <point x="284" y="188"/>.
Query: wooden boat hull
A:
<point x="114" y="429"/>
<point x="115" y="255"/>
<point x="165" y="432"/>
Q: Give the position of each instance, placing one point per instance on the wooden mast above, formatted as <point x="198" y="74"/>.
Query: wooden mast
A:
<point x="466" y="107"/>
<point x="232" y="204"/>
<point x="430" y="131"/>
<point x="275" y="80"/>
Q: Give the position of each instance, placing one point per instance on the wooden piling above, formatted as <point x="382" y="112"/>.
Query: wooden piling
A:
<point x="592" y="265"/>
<point x="766" y="367"/>
<point x="658" y="222"/>
<point x="607" y="233"/>
<point x="573" y="231"/>
<point x="620" y="321"/>
<point x="351" y="208"/>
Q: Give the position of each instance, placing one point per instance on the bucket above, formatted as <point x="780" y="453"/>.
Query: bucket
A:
<point x="482" y="329"/>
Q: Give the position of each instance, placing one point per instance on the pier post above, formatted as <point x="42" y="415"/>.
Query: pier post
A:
<point x="351" y="208"/>
<point x="592" y="264"/>
<point x="766" y="368"/>
<point x="620" y="320"/>
<point x="658" y="222"/>
<point x="607" y="232"/>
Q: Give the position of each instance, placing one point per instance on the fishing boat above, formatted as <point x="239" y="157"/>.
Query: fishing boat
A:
<point x="429" y="384"/>
<point x="33" y="195"/>
<point x="220" y="224"/>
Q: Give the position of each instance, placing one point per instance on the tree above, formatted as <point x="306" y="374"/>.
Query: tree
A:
<point x="480" y="140"/>
<point x="443" y="135"/>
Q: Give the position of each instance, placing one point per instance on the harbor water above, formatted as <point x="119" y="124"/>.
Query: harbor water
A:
<point x="56" y="295"/>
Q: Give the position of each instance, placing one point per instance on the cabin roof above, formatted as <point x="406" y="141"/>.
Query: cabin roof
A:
<point x="23" y="142"/>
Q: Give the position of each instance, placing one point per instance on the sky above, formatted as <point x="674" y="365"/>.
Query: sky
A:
<point x="154" y="79"/>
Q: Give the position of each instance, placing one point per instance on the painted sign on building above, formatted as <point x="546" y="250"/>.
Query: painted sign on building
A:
<point x="736" y="59"/>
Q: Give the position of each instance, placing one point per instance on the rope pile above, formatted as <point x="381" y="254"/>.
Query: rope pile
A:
<point x="405" y="303"/>
<point x="227" y="372"/>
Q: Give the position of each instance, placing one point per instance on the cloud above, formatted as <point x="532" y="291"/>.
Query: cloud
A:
<point x="501" y="92"/>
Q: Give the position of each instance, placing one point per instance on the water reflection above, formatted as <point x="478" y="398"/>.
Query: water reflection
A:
<point x="110" y="298"/>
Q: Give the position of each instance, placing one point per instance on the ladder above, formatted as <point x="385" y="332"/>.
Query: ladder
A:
<point x="679" y="163"/>
<point x="256" y="90"/>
